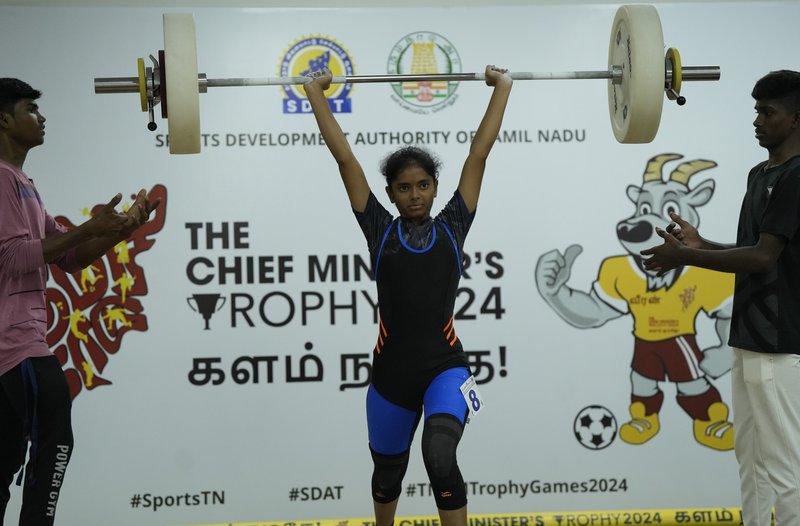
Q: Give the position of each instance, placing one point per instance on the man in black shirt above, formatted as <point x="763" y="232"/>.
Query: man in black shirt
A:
<point x="765" y="328"/>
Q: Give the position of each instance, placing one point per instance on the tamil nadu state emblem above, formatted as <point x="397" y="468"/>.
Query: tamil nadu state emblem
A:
<point x="311" y="54"/>
<point x="422" y="53"/>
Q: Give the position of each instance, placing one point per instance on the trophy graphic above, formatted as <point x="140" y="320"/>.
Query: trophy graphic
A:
<point x="206" y="305"/>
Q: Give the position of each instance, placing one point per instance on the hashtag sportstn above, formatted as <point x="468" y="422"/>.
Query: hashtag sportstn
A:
<point x="136" y="500"/>
<point x="293" y="493"/>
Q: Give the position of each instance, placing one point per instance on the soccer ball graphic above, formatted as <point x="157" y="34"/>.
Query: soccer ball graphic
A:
<point x="595" y="427"/>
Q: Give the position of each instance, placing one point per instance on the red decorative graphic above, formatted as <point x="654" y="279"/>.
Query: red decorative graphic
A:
<point x="89" y="311"/>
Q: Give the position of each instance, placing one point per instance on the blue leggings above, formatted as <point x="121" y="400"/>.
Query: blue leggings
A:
<point x="391" y="427"/>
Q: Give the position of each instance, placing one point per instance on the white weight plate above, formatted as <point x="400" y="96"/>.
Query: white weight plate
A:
<point x="183" y="95"/>
<point x="637" y="45"/>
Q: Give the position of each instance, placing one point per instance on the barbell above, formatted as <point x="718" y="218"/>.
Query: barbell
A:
<point x="638" y="75"/>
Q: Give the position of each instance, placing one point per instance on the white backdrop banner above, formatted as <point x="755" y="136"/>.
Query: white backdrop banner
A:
<point x="219" y="359"/>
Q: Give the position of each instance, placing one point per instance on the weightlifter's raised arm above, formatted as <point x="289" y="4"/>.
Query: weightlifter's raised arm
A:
<point x="355" y="182"/>
<point x="474" y="166"/>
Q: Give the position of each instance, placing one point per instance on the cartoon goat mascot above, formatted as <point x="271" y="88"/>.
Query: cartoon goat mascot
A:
<point x="664" y="309"/>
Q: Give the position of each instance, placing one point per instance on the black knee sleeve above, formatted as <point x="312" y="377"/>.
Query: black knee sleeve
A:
<point x="387" y="476"/>
<point x="440" y="436"/>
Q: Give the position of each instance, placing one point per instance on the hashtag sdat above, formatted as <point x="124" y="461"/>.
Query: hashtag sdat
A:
<point x="315" y="493"/>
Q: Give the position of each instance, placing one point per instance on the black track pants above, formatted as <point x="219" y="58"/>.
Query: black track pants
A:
<point x="34" y="404"/>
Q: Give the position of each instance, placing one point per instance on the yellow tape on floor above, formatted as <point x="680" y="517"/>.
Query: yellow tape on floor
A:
<point x="683" y="516"/>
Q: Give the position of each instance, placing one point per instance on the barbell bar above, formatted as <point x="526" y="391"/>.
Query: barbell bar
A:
<point x="638" y="78"/>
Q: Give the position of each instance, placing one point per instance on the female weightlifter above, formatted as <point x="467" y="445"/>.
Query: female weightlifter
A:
<point x="418" y="363"/>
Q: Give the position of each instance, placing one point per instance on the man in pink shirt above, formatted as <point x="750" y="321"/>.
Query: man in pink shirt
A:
<point x="34" y="398"/>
